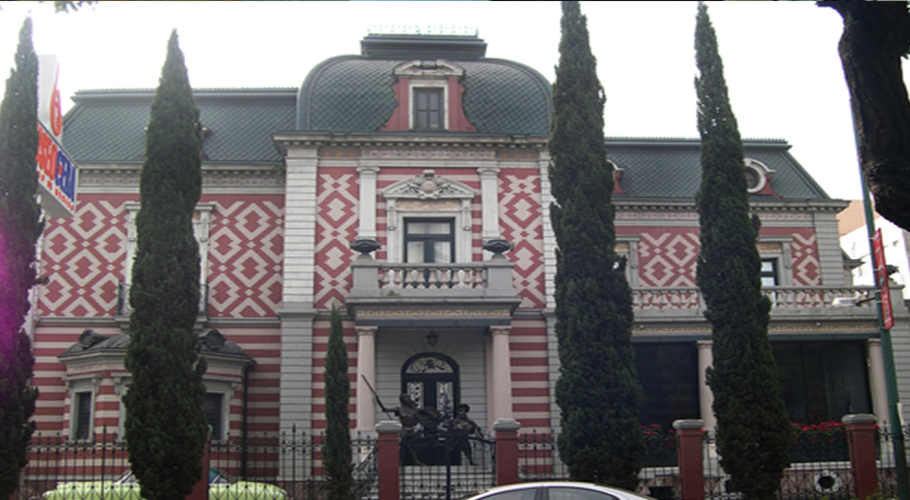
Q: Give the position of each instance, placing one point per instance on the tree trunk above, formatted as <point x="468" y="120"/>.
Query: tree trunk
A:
<point x="876" y="36"/>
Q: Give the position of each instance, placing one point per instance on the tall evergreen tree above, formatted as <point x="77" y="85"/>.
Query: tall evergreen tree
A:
<point x="598" y="390"/>
<point x="165" y="426"/>
<point x="20" y="227"/>
<point x="336" y="454"/>
<point x="753" y="428"/>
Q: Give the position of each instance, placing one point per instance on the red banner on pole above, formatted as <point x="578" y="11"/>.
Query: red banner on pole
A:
<point x="881" y="278"/>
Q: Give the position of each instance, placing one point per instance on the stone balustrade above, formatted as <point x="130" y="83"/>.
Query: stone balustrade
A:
<point x="432" y="276"/>
<point x="372" y="278"/>
<point x="782" y="297"/>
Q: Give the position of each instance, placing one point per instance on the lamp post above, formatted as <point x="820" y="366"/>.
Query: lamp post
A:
<point x="897" y="431"/>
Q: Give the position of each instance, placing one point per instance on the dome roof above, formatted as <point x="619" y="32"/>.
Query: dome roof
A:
<point x="354" y="93"/>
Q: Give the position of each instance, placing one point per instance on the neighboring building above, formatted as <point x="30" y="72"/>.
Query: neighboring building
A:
<point x="854" y="239"/>
<point x="431" y="150"/>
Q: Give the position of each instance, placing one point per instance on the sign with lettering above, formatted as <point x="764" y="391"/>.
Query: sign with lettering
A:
<point x="881" y="279"/>
<point x="56" y="175"/>
<point x="56" y="169"/>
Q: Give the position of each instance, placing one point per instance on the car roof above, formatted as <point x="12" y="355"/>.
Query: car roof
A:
<point x="560" y="484"/>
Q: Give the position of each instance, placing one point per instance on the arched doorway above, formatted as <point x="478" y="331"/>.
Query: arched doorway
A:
<point x="431" y="379"/>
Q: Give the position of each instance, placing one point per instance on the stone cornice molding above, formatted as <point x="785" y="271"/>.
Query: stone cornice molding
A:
<point x="115" y="176"/>
<point x="290" y="140"/>
<point x="676" y="205"/>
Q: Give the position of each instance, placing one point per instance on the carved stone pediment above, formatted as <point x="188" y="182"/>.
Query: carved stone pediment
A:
<point x="429" y="186"/>
<point x="428" y="68"/>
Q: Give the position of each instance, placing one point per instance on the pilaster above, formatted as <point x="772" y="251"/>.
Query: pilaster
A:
<point x="705" y="396"/>
<point x="366" y="373"/>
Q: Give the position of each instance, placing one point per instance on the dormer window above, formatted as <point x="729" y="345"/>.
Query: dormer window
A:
<point x="428" y="109"/>
<point x="429" y="96"/>
<point x="757" y="176"/>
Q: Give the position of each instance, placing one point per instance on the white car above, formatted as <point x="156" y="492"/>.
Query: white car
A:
<point x="557" y="490"/>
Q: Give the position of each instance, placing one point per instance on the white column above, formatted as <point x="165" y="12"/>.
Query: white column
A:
<point x="489" y="196"/>
<point x="366" y="370"/>
<point x="876" y="363"/>
<point x="705" y="396"/>
<point x="367" y="203"/>
<point x="502" y="373"/>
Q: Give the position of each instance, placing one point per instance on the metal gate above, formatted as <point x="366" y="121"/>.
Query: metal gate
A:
<point x="446" y="465"/>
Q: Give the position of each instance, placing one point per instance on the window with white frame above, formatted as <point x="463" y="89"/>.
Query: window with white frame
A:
<point x="82" y="415"/>
<point x="429" y="215"/>
<point x="202" y="221"/>
<point x="428" y="91"/>
<point x="213" y="409"/>
<point x="82" y="393"/>
<point x="429" y="240"/>
<point x="769" y="274"/>
<point x="428" y="109"/>
<point x="774" y="252"/>
<point x="217" y="406"/>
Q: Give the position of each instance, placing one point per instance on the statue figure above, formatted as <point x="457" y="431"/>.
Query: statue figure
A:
<point x="462" y="427"/>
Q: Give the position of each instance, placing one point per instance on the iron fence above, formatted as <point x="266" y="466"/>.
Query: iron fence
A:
<point x="446" y="466"/>
<point x="240" y="470"/>
<point x="820" y="468"/>
<point x="886" y="465"/>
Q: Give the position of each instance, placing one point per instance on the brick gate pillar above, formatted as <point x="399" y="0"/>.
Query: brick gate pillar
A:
<point x="506" y="433"/>
<point x="389" y="487"/>
<point x="201" y="488"/>
<point x="689" y="455"/>
<point x="861" y="438"/>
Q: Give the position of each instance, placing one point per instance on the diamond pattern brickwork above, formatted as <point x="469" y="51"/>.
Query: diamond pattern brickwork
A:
<point x="246" y="252"/>
<point x="666" y="255"/>
<point x="521" y="223"/>
<point x="83" y="257"/>
<point x="336" y="227"/>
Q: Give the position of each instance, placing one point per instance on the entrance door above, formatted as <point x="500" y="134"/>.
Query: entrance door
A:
<point x="431" y="379"/>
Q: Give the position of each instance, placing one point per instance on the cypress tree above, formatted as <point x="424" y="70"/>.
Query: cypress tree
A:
<point x="165" y="427"/>
<point x="336" y="454"/>
<point x="598" y="391"/>
<point x="753" y="429"/>
<point x="20" y="226"/>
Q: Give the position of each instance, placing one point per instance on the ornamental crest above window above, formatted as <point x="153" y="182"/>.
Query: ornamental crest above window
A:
<point x="429" y="186"/>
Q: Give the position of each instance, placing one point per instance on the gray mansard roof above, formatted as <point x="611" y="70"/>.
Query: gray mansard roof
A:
<point x="108" y="126"/>
<point x="671" y="168"/>
<point x="353" y="94"/>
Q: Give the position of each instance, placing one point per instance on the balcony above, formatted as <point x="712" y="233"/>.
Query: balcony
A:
<point x="424" y="295"/>
<point x="812" y="303"/>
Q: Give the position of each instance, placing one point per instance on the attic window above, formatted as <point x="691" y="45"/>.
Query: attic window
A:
<point x="757" y="174"/>
<point x="428" y="109"/>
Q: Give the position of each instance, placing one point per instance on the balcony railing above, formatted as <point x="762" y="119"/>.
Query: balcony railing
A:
<point x="432" y="276"/>
<point x="123" y="299"/>
<point x="383" y="279"/>
<point x="782" y="297"/>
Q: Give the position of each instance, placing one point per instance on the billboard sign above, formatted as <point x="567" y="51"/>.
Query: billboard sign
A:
<point x="56" y="170"/>
<point x="881" y="279"/>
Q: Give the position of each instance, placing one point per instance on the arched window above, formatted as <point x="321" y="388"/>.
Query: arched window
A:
<point x="431" y="379"/>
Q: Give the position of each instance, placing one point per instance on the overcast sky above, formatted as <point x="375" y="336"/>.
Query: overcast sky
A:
<point x="780" y="58"/>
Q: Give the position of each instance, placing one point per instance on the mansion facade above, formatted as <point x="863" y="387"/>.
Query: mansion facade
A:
<point x="408" y="185"/>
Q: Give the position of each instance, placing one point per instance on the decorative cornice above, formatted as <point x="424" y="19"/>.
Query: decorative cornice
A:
<point x="775" y="205"/>
<point x="287" y="140"/>
<point x="215" y="176"/>
<point x="429" y="186"/>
